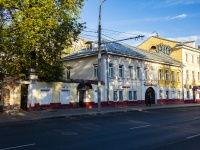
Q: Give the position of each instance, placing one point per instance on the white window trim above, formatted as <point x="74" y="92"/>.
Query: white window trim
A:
<point x="121" y="70"/>
<point x="118" y="95"/>
<point x="111" y="73"/>
<point x="132" y="92"/>
<point x="130" y="72"/>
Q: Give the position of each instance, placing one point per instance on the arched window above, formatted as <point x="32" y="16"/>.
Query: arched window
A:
<point x="153" y="48"/>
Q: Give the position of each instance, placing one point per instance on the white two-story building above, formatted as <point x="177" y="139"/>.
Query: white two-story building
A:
<point x="127" y="74"/>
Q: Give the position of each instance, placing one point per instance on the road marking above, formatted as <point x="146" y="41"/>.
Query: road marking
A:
<point x="196" y="118"/>
<point x="140" y="127"/>
<point x="193" y="136"/>
<point x="69" y="133"/>
<point x="18" y="146"/>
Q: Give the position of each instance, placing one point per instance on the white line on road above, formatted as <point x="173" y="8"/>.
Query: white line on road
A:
<point x="193" y="136"/>
<point x="196" y="118"/>
<point x="140" y="127"/>
<point x="18" y="146"/>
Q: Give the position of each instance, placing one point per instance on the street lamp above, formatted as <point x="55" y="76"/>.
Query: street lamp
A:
<point x="99" y="57"/>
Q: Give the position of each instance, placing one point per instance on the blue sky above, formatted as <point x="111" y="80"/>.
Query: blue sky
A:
<point x="177" y="20"/>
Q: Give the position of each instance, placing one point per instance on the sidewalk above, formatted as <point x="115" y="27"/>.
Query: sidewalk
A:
<point x="58" y="113"/>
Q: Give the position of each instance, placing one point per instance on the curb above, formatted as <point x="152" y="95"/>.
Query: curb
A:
<point x="102" y="112"/>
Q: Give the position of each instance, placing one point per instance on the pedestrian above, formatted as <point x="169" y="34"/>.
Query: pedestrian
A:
<point x="148" y="99"/>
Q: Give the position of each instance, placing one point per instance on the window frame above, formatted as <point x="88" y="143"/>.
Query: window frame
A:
<point x="167" y="77"/>
<point x="110" y="70"/>
<point x="134" y="95"/>
<point x="118" y="95"/>
<point x="186" y="56"/>
<point x="121" y="71"/>
<point x="178" y="77"/>
<point x="187" y="75"/>
<point x="130" y="72"/>
<point x="193" y="75"/>
<point x="138" y="72"/>
<point x="192" y="59"/>
<point x="198" y="76"/>
<point x="172" y="76"/>
<point x="160" y="74"/>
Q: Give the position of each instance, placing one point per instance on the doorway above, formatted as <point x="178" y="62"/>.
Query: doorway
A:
<point x="82" y="95"/>
<point x="24" y="96"/>
<point x="194" y="95"/>
<point x="82" y="89"/>
<point x="150" y="90"/>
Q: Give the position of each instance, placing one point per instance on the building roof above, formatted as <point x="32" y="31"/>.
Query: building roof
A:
<point x="125" y="51"/>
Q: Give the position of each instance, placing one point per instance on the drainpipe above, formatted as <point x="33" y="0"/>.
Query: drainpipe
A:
<point x="107" y="77"/>
<point x="182" y="85"/>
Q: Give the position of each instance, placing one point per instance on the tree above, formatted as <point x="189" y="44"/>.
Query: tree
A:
<point x="37" y="27"/>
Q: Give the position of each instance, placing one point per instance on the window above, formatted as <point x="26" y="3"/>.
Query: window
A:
<point x="187" y="75"/>
<point x="118" y="95"/>
<point x="130" y="71"/>
<point x="146" y="74"/>
<point x="192" y="58"/>
<point x="197" y="60"/>
<point x="186" y="56"/>
<point x="173" y="94"/>
<point x="138" y="72"/>
<point x="95" y="71"/>
<point x="193" y="75"/>
<point x="167" y="75"/>
<point x="160" y="74"/>
<point x="132" y="95"/>
<point x="121" y="71"/>
<point x="173" y="76"/>
<point x="68" y="73"/>
<point x="188" y="94"/>
<point x="111" y="70"/>
<point x="178" y="77"/>
<point x="167" y="94"/>
<point x="198" y="76"/>
<point x="178" y="94"/>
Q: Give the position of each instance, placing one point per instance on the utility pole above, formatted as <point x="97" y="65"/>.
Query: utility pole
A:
<point x="99" y="57"/>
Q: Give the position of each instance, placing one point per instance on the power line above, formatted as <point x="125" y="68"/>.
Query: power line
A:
<point x="89" y="35"/>
<point x="119" y="31"/>
<point x="136" y="37"/>
<point x="90" y="31"/>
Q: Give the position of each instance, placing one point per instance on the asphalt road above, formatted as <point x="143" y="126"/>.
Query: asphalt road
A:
<point x="165" y="129"/>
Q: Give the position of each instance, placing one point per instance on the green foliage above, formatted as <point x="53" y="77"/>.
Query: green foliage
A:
<point x="43" y="26"/>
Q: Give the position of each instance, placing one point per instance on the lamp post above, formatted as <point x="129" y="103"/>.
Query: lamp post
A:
<point x="99" y="57"/>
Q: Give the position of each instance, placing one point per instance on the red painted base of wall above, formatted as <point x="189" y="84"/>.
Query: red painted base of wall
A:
<point x="86" y="105"/>
<point x="53" y="106"/>
<point x="170" y="101"/>
<point x="108" y="104"/>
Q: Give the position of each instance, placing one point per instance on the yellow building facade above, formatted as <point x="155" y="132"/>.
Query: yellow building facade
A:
<point x="188" y="77"/>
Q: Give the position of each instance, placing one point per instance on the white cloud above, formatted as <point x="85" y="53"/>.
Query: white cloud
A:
<point x="195" y="38"/>
<point x="187" y="38"/>
<point x="170" y="3"/>
<point x="177" y="17"/>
